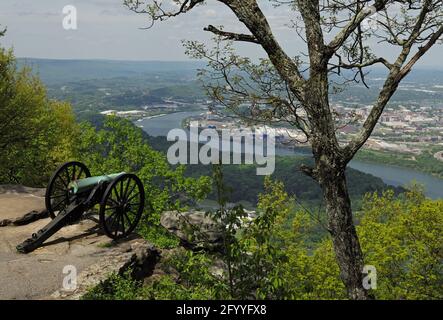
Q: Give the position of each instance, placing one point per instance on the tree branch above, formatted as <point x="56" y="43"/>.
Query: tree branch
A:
<point x="355" y="22"/>
<point x="248" y="12"/>
<point x="231" y="35"/>
<point x="369" y="63"/>
<point x="396" y="75"/>
<point x="156" y="10"/>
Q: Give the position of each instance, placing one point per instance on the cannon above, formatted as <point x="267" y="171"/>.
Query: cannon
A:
<point x="72" y="192"/>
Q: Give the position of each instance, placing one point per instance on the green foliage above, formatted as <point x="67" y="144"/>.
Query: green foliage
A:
<point x="196" y="279"/>
<point x="403" y="239"/>
<point x="166" y="288"/>
<point x="260" y="257"/>
<point x="276" y="262"/>
<point x="195" y="282"/>
<point x="262" y="249"/>
<point x="36" y="134"/>
<point x="231" y="220"/>
<point x="116" y="287"/>
<point x="120" y="146"/>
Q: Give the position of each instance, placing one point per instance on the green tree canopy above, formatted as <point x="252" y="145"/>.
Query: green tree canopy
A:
<point x="36" y="133"/>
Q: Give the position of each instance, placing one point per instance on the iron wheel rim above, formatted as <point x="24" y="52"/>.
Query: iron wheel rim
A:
<point x="57" y="193"/>
<point x="122" y="206"/>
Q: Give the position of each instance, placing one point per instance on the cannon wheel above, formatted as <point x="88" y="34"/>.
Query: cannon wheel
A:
<point x="122" y="206"/>
<point x="57" y="195"/>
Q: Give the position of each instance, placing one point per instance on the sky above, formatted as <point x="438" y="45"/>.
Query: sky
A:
<point x="108" y="30"/>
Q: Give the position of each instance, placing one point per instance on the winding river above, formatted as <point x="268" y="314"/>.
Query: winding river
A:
<point x="391" y="175"/>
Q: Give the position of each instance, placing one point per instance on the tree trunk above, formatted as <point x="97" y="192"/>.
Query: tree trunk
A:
<point x="344" y="237"/>
<point x="329" y="172"/>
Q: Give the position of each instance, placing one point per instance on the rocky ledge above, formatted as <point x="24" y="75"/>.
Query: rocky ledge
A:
<point x="195" y="229"/>
<point x="83" y="246"/>
<point x="136" y="256"/>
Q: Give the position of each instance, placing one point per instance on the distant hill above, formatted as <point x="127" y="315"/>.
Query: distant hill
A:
<point x="98" y="85"/>
<point x="61" y="71"/>
<point x="54" y="72"/>
<point x="422" y="86"/>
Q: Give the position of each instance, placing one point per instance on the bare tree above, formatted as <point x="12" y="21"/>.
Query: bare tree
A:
<point x="285" y="88"/>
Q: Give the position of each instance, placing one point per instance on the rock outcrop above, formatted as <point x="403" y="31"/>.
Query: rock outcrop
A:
<point x="136" y="256"/>
<point x="195" y="229"/>
<point x="83" y="245"/>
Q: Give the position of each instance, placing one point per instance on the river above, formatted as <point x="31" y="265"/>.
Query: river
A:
<point x="391" y="175"/>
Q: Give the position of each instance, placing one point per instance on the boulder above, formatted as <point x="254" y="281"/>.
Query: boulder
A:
<point x="195" y="229"/>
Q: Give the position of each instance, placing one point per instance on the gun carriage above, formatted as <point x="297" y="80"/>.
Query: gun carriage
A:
<point x="72" y="192"/>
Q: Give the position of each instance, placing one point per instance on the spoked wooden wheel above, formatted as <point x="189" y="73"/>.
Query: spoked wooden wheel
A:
<point x="122" y="206"/>
<point x="57" y="193"/>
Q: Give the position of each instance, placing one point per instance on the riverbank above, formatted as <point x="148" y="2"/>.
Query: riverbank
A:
<point x="425" y="163"/>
